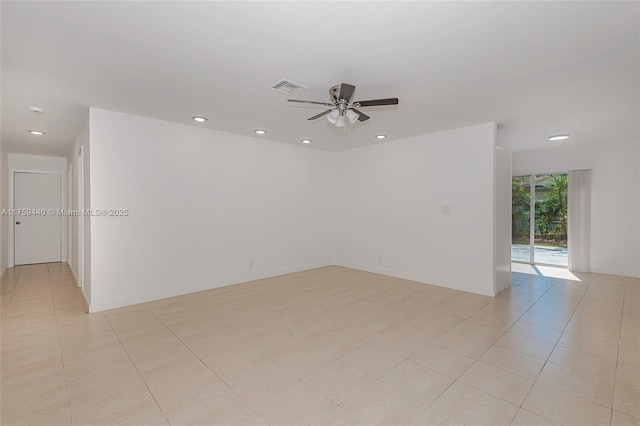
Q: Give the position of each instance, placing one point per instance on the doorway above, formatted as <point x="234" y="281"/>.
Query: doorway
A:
<point x="539" y="213"/>
<point x="37" y="222"/>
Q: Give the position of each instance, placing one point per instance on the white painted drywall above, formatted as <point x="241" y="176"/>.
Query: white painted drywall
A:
<point x="37" y="163"/>
<point x="615" y="198"/>
<point x="390" y="204"/>
<point x="202" y="205"/>
<point x="81" y="143"/>
<point x="502" y="219"/>
<point x="4" y="205"/>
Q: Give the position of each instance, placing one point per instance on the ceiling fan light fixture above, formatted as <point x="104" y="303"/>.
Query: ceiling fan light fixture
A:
<point x="342" y="107"/>
<point x="306" y="141"/>
<point x="199" y="119"/>
<point x="381" y="136"/>
<point x="352" y="116"/>
<point x="332" y="117"/>
<point x="260" y="132"/>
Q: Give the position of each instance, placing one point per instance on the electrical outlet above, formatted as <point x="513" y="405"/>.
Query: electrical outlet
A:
<point x="379" y="259"/>
<point x="445" y="209"/>
<point x="251" y="264"/>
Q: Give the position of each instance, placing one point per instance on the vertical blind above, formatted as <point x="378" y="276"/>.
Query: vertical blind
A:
<point x="579" y="233"/>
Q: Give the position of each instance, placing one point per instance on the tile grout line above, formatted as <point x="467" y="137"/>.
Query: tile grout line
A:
<point x="556" y="345"/>
<point x="55" y="313"/>
<point x="194" y="354"/>
<point x="615" y="373"/>
<point x="494" y="344"/>
<point x="137" y="371"/>
<point x="557" y="289"/>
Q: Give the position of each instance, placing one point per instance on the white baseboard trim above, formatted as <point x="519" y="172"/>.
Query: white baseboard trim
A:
<point x="75" y="275"/>
<point x="421" y="279"/>
<point x="86" y="302"/>
<point x="112" y="304"/>
<point x="607" y="271"/>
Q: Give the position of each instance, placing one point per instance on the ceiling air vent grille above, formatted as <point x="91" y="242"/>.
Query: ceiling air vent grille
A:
<point x="288" y="87"/>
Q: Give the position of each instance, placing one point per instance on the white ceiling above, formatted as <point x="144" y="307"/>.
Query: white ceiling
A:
<point x="535" y="68"/>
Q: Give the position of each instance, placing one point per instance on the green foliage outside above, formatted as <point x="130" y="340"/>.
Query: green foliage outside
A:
<point x="550" y="209"/>
<point x="520" y="208"/>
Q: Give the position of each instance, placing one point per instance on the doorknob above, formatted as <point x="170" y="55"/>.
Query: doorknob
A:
<point x="17" y="223"/>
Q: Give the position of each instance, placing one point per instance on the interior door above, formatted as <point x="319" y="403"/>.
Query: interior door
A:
<point x="37" y="232"/>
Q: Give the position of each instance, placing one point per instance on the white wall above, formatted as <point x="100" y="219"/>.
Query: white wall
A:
<point x="81" y="143"/>
<point x="37" y="163"/>
<point x="203" y="204"/>
<point x="389" y="208"/>
<point x="502" y="219"/>
<point x="615" y="198"/>
<point x="4" y="205"/>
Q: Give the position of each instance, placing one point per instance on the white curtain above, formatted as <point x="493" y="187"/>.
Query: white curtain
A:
<point x="579" y="233"/>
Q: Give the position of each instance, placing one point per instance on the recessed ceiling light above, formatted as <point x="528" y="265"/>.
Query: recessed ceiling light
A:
<point x="381" y="136"/>
<point x="260" y="132"/>
<point x="36" y="132"/>
<point x="35" y="110"/>
<point x="199" y="119"/>
<point x="306" y="141"/>
<point x="558" y="137"/>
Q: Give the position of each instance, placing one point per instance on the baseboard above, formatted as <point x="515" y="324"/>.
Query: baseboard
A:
<point x="112" y="304"/>
<point x="421" y="279"/>
<point x="86" y="302"/>
<point x="73" y="271"/>
<point x="607" y="271"/>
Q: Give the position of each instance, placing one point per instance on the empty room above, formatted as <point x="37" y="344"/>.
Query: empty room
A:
<point x="320" y="213"/>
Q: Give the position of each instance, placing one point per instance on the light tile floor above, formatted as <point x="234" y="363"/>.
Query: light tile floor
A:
<point x="330" y="346"/>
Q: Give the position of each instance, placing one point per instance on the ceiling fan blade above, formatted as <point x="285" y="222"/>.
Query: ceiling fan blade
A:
<point x="376" y="102"/>
<point x="361" y="116"/>
<point x="346" y="92"/>
<point x="321" y="114"/>
<point x="309" y="102"/>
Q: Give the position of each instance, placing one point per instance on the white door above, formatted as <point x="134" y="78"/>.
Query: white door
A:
<point x="36" y="235"/>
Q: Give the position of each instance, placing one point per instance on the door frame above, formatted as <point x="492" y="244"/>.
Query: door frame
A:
<point x="532" y="210"/>
<point x="11" y="234"/>
<point x="69" y="206"/>
<point x="80" y="224"/>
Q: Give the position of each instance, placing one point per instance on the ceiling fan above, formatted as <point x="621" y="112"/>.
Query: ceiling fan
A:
<point x="342" y="107"/>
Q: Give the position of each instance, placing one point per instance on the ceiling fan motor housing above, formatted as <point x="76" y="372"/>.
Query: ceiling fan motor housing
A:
<point x="334" y="93"/>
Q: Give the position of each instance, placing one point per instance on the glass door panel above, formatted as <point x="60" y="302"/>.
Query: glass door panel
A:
<point x="521" y="219"/>
<point x="539" y="231"/>
<point x="550" y="219"/>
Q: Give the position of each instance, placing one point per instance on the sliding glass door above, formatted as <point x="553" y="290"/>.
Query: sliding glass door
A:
<point x="521" y="248"/>
<point x="539" y="219"/>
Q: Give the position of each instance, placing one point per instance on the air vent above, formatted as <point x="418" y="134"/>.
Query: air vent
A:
<point x="288" y="87"/>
